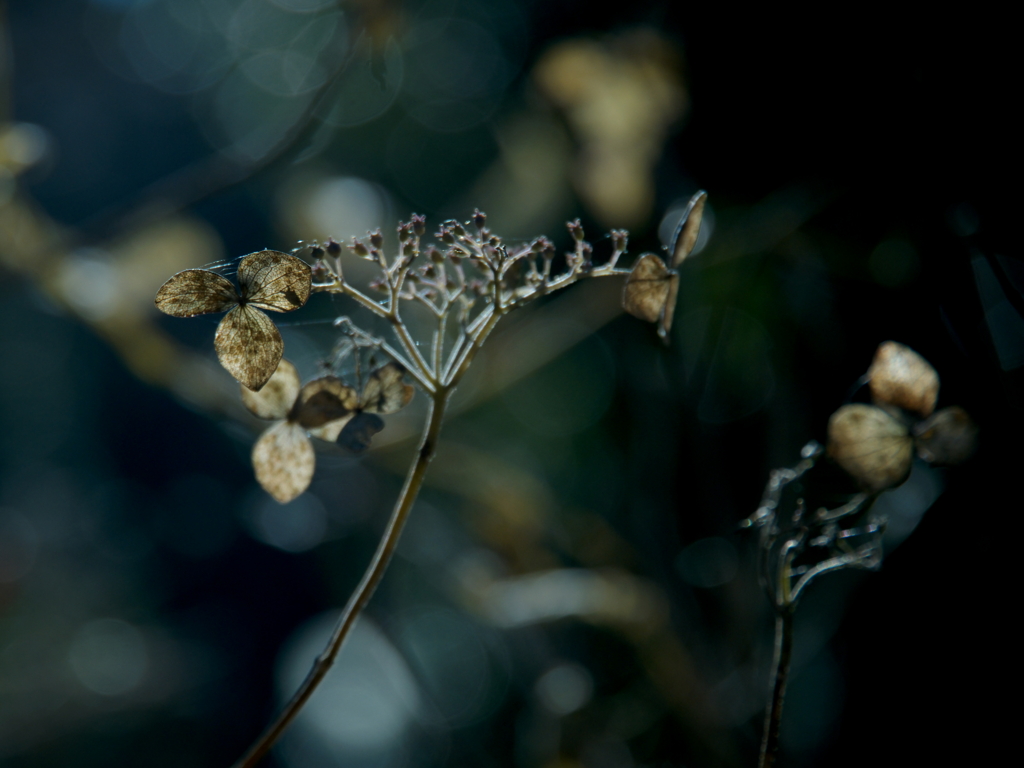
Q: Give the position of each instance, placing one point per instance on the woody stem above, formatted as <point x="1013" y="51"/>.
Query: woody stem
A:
<point x="371" y="578"/>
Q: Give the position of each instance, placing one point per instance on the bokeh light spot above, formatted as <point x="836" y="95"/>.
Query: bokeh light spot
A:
<point x="108" y="656"/>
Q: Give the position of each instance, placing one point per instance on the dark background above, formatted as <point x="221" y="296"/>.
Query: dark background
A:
<point x="824" y="144"/>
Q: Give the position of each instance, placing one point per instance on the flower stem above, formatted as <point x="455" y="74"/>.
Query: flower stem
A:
<point x="780" y="673"/>
<point x="371" y="578"/>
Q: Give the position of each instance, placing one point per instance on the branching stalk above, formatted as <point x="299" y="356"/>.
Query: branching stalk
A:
<point x="371" y="578"/>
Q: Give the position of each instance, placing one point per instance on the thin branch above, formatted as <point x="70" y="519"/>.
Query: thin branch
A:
<point x="371" y="578"/>
<point x="780" y="674"/>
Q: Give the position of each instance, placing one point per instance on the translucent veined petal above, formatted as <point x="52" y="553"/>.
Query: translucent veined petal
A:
<point x="278" y="395"/>
<point x="274" y="280"/>
<point x="284" y="461"/>
<point x="248" y="346"/>
<point x="688" y="230"/>
<point x="385" y="391"/>
<point x="872" y="446"/>
<point x="647" y="288"/>
<point x="901" y="377"/>
<point x="196" y="292"/>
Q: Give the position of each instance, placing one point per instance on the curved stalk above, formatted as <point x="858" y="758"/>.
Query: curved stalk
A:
<point x="371" y="578"/>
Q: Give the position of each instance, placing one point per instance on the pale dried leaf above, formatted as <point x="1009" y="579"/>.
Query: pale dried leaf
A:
<point x="647" y="288"/>
<point x="274" y="280"/>
<point x="901" y="377"/>
<point x="385" y="392"/>
<point x="195" y="292"/>
<point x="324" y="400"/>
<point x="284" y="461"/>
<point x="871" y="445"/>
<point x="359" y="431"/>
<point x="686" y="233"/>
<point x="946" y="438"/>
<point x="277" y="396"/>
<point x="248" y="346"/>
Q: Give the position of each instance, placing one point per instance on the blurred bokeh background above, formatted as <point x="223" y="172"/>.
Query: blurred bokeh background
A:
<point x="572" y="589"/>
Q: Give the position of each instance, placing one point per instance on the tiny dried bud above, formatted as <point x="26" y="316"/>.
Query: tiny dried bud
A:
<point x="378" y="285"/>
<point x="404" y="232"/>
<point x="575" y="229"/>
<point x="419" y="224"/>
<point x="377" y="239"/>
<point x="321" y="272"/>
<point x="435" y="255"/>
<point x="359" y="249"/>
<point x="619" y="239"/>
<point x="446" y="236"/>
<point x="409" y="249"/>
<point x="479" y="219"/>
<point x="449" y="284"/>
<point x="458" y="229"/>
<point x="412" y="277"/>
<point x="316" y="252"/>
<point x="333" y="247"/>
<point x="429" y="271"/>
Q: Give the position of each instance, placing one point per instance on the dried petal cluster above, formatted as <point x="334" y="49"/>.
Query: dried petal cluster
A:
<point x="651" y="288"/>
<point x="248" y="344"/>
<point x="875" y="444"/>
<point x="326" y="408"/>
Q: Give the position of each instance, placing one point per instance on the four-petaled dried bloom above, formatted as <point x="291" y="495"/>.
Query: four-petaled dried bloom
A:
<point x="325" y="408"/>
<point x="247" y="342"/>
<point x="875" y="443"/>
<point x="651" y="288"/>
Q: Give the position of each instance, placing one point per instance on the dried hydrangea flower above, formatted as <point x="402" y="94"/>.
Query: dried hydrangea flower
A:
<point x="872" y="445"/>
<point x="247" y="342"/>
<point x="651" y="287"/>
<point x="901" y="377"/>
<point x="283" y="457"/>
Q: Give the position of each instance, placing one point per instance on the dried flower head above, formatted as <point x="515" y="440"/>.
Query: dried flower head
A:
<point x="247" y="342"/>
<point x="875" y="443"/>
<point x="651" y="288"/>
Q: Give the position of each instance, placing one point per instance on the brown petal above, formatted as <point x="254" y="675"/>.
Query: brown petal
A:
<point x="689" y="228"/>
<point x="871" y="445"/>
<point x="901" y="377"/>
<point x="647" y="288"/>
<point x="196" y="292"/>
<point x="274" y="280"/>
<point x="385" y="392"/>
<point x="249" y="346"/>
<point x="277" y="396"/>
<point x="359" y="431"/>
<point x="948" y="437"/>
<point x="284" y="461"/>
<point x="323" y="400"/>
